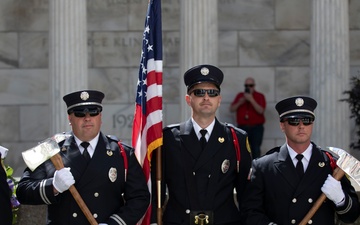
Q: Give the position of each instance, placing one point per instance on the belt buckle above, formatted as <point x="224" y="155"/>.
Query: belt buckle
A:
<point x="202" y="219"/>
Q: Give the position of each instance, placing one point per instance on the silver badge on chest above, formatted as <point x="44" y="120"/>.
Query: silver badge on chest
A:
<point x="112" y="174"/>
<point x="225" y="166"/>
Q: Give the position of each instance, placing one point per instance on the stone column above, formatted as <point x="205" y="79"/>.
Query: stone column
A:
<point x="330" y="72"/>
<point x="199" y="40"/>
<point x="67" y="56"/>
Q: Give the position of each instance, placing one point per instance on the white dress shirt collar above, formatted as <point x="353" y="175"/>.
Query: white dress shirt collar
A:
<point x="197" y="129"/>
<point x="307" y="155"/>
<point x="92" y="146"/>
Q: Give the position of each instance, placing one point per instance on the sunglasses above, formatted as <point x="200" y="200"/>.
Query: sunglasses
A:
<point x="92" y="113"/>
<point x="249" y="85"/>
<point x="210" y="92"/>
<point x="296" y="121"/>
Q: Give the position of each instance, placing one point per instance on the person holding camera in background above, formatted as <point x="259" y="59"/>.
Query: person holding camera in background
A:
<point x="249" y="107"/>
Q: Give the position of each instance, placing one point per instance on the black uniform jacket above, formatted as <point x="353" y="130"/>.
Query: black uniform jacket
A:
<point x="101" y="184"/>
<point x="5" y="193"/>
<point x="201" y="180"/>
<point x="276" y="193"/>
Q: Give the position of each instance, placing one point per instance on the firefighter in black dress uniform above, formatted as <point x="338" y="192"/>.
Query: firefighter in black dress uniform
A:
<point x="286" y="182"/>
<point x="111" y="184"/>
<point x="201" y="175"/>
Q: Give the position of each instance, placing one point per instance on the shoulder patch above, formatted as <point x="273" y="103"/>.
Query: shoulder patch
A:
<point x="248" y="145"/>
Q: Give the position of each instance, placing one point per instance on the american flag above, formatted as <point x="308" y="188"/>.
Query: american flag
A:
<point x="147" y="127"/>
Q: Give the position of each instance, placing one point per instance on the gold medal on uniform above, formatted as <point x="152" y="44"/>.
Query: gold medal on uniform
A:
<point x="221" y="139"/>
<point x="109" y="152"/>
<point x="225" y="166"/>
<point x="112" y="174"/>
<point x="321" y="164"/>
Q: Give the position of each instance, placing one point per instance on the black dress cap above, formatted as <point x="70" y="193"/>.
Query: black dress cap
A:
<point x="80" y="100"/>
<point x="296" y="106"/>
<point x="203" y="73"/>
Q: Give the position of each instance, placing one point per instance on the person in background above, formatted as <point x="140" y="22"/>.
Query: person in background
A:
<point x="287" y="181"/>
<point x="105" y="172"/>
<point x="5" y="192"/>
<point x="201" y="164"/>
<point x="249" y="107"/>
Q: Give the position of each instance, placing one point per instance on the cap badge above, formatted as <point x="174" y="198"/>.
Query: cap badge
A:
<point x="204" y="71"/>
<point x="299" y="102"/>
<point x="112" y="174"/>
<point x="84" y="95"/>
<point x="225" y="166"/>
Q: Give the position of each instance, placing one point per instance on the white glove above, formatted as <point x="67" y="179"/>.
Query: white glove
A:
<point x="333" y="190"/>
<point x="3" y="152"/>
<point x="63" y="179"/>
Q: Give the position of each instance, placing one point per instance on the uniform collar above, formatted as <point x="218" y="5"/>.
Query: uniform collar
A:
<point x="197" y="129"/>
<point x="92" y="143"/>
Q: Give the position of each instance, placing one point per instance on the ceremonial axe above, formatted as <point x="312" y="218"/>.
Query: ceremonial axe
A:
<point x="49" y="149"/>
<point x="345" y="164"/>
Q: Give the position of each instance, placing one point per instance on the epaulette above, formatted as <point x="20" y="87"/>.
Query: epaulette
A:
<point x="127" y="147"/>
<point x="112" y="137"/>
<point x="276" y="149"/>
<point x="230" y="125"/>
<point x="171" y="126"/>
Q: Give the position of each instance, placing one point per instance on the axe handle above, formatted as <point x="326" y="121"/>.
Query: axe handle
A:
<point x="337" y="174"/>
<point x="58" y="163"/>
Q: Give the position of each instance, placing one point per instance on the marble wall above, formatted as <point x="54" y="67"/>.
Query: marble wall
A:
<point x="266" y="39"/>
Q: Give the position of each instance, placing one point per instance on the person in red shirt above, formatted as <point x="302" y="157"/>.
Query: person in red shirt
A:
<point x="249" y="107"/>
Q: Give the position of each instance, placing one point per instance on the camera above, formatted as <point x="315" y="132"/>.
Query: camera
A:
<point x="247" y="90"/>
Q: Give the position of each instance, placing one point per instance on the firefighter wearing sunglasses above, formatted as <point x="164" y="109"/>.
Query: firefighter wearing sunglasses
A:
<point x="105" y="172"/>
<point x="201" y="165"/>
<point x="286" y="182"/>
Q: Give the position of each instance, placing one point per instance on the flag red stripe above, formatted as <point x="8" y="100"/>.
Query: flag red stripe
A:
<point x="154" y="78"/>
<point x="153" y="105"/>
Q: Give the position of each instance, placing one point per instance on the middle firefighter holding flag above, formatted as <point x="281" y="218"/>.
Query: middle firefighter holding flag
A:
<point x="203" y="160"/>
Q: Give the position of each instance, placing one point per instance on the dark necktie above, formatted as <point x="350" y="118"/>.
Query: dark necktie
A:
<point x="203" y="139"/>
<point x="85" y="152"/>
<point x="299" y="165"/>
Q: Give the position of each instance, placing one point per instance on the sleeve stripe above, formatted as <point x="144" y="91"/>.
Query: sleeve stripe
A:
<point x="347" y="208"/>
<point x="42" y="191"/>
<point x="118" y="219"/>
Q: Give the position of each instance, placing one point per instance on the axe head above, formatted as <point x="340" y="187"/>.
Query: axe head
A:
<point x="46" y="149"/>
<point x="349" y="164"/>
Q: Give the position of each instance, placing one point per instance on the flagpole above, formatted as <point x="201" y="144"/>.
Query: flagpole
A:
<point x="158" y="185"/>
